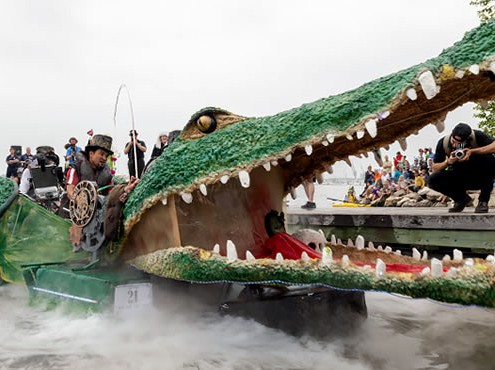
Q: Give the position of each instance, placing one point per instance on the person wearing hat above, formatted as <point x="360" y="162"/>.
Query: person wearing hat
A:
<point x="140" y="150"/>
<point x="91" y="165"/>
<point x="464" y="161"/>
<point x="72" y="149"/>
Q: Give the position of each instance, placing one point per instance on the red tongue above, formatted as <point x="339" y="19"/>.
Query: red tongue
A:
<point x="291" y="248"/>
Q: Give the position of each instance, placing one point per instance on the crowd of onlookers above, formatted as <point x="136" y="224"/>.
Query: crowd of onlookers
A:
<point x="397" y="174"/>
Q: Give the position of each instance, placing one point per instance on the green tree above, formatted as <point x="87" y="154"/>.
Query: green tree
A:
<point x="485" y="111"/>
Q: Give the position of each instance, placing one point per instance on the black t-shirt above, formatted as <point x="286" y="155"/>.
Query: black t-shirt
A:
<point x="140" y="154"/>
<point x="482" y="139"/>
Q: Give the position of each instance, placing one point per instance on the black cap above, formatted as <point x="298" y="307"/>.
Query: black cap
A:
<point x="130" y="132"/>
<point x="462" y="131"/>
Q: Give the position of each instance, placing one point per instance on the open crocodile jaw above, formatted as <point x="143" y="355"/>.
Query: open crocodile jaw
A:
<point x="228" y="212"/>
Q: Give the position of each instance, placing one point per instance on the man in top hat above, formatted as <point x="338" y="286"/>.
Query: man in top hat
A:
<point x="72" y="149"/>
<point x="140" y="150"/>
<point x="91" y="165"/>
<point x="464" y="161"/>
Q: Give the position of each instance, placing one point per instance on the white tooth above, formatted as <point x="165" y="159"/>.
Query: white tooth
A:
<point x="249" y="256"/>
<point x="244" y="179"/>
<point x="457" y="255"/>
<point x="380" y="268"/>
<point x="360" y="134"/>
<point x="224" y="179"/>
<point x="446" y="258"/>
<point x="267" y="166"/>
<point x="304" y="256"/>
<point x="371" y="246"/>
<point x="330" y="138"/>
<point x="348" y="161"/>
<point x="349" y="137"/>
<point x="425" y="272"/>
<point x="403" y="143"/>
<point x="203" y="190"/>
<point x="293" y="193"/>
<point x="325" y="143"/>
<point x="416" y="254"/>
<point x="326" y="256"/>
<point x="322" y="233"/>
<point x="492" y="67"/>
<point x="339" y="242"/>
<point x="333" y="241"/>
<point x="329" y="169"/>
<point x="411" y="94"/>
<point x="360" y="242"/>
<point x="436" y="267"/>
<point x="164" y="201"/>
<point x="279" y="257"/>
<point x="288" y="157"/>
<point x="460" y="73"/>
<point x="370" y="126"/>
<point x="490" y="258"/>
<point x="216" y="248"/>
<point x="440" y="125"/>
<point x="398" y="252"/>
<point x="345" y="261"/>
<point x="378" y="157"/>
<point x="425" y="256"/>
<point x="380" y="248"/>
<point x="274" y="163"/>
<point x="451" y="272"/>
<point x="474" y="69"/>
<point x="186" y="197"/>
<point x="469" y="262"/>
<point x="428" y="84"/>
<point x="350" y="243"/>
<point x="308" y="149"/>
<point x="231" y="251"/>
<point x="383" y="115"/>
<point x="319" y="178"/>
<point x="388" y="249"/>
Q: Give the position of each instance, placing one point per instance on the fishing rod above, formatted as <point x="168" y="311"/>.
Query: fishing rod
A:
<point x="134" y="141"/>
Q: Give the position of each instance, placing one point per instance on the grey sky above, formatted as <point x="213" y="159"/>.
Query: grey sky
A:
<point x="62" y="62"/>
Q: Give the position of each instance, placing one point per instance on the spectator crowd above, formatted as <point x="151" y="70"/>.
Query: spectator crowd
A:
<point x="398" y="174"/>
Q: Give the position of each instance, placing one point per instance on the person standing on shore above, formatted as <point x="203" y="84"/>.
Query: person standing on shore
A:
<point x="309" y="189"/>
<point x="13" y="162"/>
<point x="464" y="161"/>
<point x="140" y="150"/>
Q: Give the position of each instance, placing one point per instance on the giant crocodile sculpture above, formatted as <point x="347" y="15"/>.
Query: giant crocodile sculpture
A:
<point x="198" y="214"/>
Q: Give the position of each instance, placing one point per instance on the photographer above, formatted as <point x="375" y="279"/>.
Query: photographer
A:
<point x="464" y="161"/>
<point x="72" y="149"/>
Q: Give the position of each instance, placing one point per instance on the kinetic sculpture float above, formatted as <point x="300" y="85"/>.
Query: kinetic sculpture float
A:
<point x="199" y="212"/>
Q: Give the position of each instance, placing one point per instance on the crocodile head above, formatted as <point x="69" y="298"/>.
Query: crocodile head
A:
<point x="226" y="172"/>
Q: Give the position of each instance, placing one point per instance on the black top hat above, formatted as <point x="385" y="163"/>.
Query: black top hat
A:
<point x="100" y="142"/>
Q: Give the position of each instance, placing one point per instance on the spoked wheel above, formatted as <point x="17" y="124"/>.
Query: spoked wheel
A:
<point x="83" y="204"/>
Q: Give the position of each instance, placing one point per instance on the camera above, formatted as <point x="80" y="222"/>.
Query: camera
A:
<point x="459" y="153"/>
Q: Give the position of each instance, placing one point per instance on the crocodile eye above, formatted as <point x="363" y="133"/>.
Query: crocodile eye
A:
<point x="206" y="124"/>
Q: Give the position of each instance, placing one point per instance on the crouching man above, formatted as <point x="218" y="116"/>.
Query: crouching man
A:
<point x="464" y="161"/>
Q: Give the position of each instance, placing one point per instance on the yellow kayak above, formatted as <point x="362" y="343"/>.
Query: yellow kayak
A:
<point x="349" y="205"/>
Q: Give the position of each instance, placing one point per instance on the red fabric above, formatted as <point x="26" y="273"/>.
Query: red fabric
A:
<point x="290" y="247"/>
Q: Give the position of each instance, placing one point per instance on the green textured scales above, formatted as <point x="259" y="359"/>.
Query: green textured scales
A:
<point x="469" y="287"/>
<point x="7" y="187"/>
<point x="251" y="140"/>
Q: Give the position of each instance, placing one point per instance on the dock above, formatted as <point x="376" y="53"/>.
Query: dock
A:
<point x="421" y="227"/>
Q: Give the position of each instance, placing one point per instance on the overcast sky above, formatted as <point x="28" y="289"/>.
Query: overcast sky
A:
<point x="62" y="62"/>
